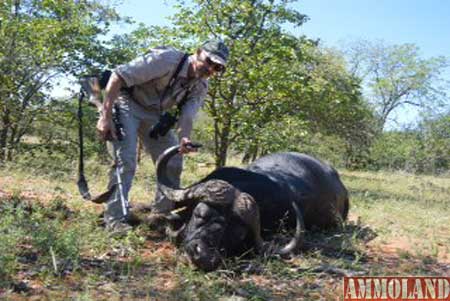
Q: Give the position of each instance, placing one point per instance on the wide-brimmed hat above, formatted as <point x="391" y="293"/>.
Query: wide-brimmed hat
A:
<point x="217" y="51"/>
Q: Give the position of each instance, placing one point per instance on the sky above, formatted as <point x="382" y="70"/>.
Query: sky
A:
<point x="425" y="23"/>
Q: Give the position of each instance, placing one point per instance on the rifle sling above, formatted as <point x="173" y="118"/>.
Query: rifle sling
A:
<point x="82" y="183"/>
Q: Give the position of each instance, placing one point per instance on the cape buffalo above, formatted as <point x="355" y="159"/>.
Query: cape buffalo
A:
<point x="229" y="211"/>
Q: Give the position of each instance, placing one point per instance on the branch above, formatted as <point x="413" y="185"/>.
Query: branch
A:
<point x="34" y="89"/>
<point x="219" y="20"/>
<point x="23" y="129"/>
<point x="245" y="27"/>
<point x="260" y="29"/>
<point x="412" y="103"/>
<point x="221" y="93"/>
<point x="212" y="107"/>
<point x="233" y="138"/>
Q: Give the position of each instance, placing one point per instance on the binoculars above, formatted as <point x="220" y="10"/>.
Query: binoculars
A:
<point x="165" y="123"/>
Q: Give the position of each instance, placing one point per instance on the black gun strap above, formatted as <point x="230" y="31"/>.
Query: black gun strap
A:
<point x="82" y="183"/>
<point x="174" y="77"/>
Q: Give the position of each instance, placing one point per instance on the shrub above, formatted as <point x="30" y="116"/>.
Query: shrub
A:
<point x="11" y="236"/>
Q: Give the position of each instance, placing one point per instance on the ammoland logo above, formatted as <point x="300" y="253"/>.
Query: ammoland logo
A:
<point x="396" y="288"/>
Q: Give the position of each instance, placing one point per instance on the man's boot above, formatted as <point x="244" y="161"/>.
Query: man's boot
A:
<point x="116" y="215"/>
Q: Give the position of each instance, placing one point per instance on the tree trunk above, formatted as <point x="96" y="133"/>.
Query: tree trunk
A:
<point x="222" y="144"/>
<point x="4" y="135"/>
<point x="10" y="144"/>
<point x="250" y="153"/>
<point x="246" y="157"/>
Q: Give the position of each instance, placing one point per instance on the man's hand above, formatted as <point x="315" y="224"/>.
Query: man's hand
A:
<point x="105" y="125"/>
<point x="106" y="129"/>
<point x="185" y="146"/>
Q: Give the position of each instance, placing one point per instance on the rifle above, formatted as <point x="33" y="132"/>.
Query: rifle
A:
<point x="93" y="85"/>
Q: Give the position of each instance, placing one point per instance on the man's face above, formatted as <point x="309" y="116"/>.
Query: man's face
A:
<point x="204" y="67"/>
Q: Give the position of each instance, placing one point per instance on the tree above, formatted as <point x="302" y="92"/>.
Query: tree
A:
<point x="261" y="51"/>
<point x="424" y="148"/>
<point x="328" y="101"/>
<point x="275" y="83"/>
<point x="334" y="106"/>
<point x="435" y="134"/>
<point x="396" y="76"/>
<point x="41" y="40"/>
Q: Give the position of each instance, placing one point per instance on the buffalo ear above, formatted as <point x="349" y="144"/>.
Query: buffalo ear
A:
<point x="246" y="208"/>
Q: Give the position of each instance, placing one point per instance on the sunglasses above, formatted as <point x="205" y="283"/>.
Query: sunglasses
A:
<point x="216" y="67"/>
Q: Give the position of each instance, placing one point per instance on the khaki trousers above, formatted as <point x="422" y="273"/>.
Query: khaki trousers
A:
<point x="137" y="122"/>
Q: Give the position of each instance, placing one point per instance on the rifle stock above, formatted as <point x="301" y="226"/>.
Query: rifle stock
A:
<point x="91" y="86"/>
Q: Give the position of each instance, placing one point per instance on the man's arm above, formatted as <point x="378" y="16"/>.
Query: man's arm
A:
<point x="105" y="126"/>
<point x="188" y="113"/>
<point x="185" y="123"/>
<point x="184" y="132"/>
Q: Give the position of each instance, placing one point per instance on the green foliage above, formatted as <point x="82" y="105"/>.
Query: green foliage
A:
<point x="435" y="134"/>
<point x="203" y="131"/>
<point x="327" y="103"/>
<point x="51" y="234"/>
<point x="41" y="40"/>
<point x="274" y="83"/>
<point x="52" y="145"/>
<point x="334" y="105"/>
<point x="125" y="47"/>
<point x="397" y="151"/>
<point x="253" y="32"/>
<point x="11" y="236"/>
<point x="325" y="147"/>
<point x="421" y="150"/>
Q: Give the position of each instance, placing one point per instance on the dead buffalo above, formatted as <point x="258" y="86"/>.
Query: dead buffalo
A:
<point x="230" y="210"/>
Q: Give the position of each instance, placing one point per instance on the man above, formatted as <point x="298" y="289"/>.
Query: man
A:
<point x="142" y="91"/>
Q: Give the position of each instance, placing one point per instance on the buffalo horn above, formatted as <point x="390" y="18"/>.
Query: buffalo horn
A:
<point x="297" y="241"/>
<point x="164" y="183"/>
<point x="217" y="191"/>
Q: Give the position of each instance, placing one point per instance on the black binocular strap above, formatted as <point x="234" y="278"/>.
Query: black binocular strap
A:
<point x="174" y="77"/>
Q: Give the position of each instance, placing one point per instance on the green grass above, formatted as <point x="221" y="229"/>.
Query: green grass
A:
<point x="399" y="225"/>
<point x="407" y="209"/>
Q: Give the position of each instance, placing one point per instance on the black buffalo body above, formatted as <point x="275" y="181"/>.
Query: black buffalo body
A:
<point x="227" y="211"/>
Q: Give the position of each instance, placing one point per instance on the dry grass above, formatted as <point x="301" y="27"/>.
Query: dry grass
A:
<point x="399" y="224"/>
<point x="408" y="212"/>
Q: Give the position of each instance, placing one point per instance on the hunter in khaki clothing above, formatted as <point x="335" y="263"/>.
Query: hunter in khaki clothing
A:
<point x="140" y="90"/>
<point x="158" y="65"/>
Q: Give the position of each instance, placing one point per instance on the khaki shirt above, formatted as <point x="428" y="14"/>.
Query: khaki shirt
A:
<point x="149" y="75"/>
